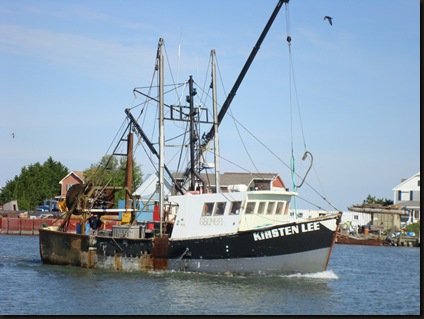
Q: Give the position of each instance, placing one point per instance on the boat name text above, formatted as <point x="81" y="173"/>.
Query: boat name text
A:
<point x="286" y="231"/>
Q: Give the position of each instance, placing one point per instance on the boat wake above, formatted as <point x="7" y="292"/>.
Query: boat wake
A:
<point x="328" y="274"/>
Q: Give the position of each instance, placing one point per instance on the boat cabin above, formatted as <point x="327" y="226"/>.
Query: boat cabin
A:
<point x="201" y="215"/>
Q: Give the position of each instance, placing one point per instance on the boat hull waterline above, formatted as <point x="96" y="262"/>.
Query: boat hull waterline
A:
<point x="297" y="247"/>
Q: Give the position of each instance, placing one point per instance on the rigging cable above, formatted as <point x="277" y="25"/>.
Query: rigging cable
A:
<point x="234" y="120"/>
<point x="292" y="79"/>
<point x="292" y="162"/>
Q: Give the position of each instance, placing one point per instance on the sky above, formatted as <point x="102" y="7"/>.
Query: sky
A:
<point x="68" y="70"/>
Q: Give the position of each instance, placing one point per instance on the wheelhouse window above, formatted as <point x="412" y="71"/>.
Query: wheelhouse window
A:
<point x="250" y="207"/>
<point x="235" y="208"/>
<point x="286" y="208"/>
<point x="261" y="208"/>
<point x="219" y="208"/>
<point x="207" y="209"/>
<point x="280" y="207"/>
<point x="270" y="209"/>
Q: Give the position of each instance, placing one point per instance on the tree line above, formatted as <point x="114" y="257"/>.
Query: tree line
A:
<point x="38" y="182"/>
<point x="372" y="200"/>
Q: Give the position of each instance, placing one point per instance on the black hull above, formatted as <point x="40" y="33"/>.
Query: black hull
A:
<point x="295" y="247"/>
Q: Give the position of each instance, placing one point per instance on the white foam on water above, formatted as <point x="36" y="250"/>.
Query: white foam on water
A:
<point x="328" y="274"/>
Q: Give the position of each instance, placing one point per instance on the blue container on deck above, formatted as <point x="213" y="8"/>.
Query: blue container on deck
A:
<point x="78" y="228"/>
<point x="145" y="214"/>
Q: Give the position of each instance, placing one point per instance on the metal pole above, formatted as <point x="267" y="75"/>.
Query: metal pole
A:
<point x="192" y="136"/>
<point x="161" y="136"/>
<point x="215" y="121"/>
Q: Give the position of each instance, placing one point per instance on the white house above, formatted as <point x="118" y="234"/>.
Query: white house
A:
<point x="407" y="195"/>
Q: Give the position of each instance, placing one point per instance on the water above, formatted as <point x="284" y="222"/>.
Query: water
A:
<point x="360" y="280"/>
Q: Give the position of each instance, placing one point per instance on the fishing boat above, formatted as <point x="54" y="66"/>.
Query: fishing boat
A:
<point x="197" y="227"/>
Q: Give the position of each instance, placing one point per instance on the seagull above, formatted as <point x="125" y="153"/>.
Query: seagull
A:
<point x="329" y="19"/>
<point x="13" y="135"/>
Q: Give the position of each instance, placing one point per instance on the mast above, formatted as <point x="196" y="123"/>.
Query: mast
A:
<point x="215" y="123"/>
<point x="192" y="134"/>
<point x="161" y="135"/>
<point x="129" y="173"/>
<point x="194" y="171"/>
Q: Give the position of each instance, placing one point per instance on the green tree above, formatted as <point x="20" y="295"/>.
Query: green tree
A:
<point x="371" y="200"/>
<point x="9" y="191"/>
<point x="36" y="183"/>
<point x="110" y="171"/>
<point x="414" y="228"/>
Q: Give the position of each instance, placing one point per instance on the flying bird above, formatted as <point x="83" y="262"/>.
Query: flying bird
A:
<point x="330" y="19"/>
<point x="13" y="135"/>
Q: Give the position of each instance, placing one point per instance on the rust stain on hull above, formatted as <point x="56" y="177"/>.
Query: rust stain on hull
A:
<point x="146" y="262"/>
<point x="92" y="257"/>
<point x="117" y="261"/>
<point x="160" y="253"/>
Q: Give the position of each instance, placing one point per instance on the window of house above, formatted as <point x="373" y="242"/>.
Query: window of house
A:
<point x="207" y="209"/>
<point x="219" y="208"/>
<point x="250" y="207"/>
<point x="411" y="195"/>
<point x="235" y="208"/>
<point x="399" y="195"/>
